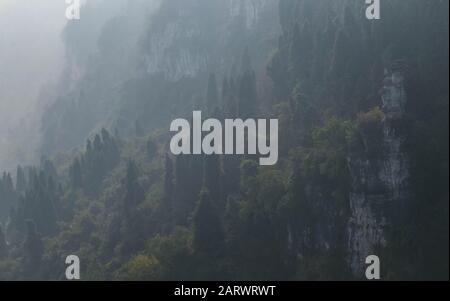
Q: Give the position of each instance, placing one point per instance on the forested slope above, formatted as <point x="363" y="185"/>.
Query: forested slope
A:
<point x="363" y="167"/>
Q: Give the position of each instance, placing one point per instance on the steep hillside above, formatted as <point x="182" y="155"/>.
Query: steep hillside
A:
<point x="149" y="62"/>
<point x="363" y="140"/>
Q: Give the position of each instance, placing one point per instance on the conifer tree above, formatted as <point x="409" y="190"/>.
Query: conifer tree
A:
<point x="3" y="245"/>
<point x="134" y="193"/>
<point x="168" y="181"/>
<point x="21" y="183"/>
<point x="212" y="177"/>
<point x="247" y="98"/>
<point x="33" y="248"/>
<point x="207" y="228"/>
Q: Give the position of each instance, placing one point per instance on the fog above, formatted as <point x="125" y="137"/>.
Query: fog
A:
<point x="31" y="59"/>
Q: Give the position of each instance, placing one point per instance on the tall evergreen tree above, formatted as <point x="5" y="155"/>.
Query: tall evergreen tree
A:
<point x="33" y="249"/>
<point x="21" y="182"/>
<point x="75" y="174"/>
<point x="207" y="227"/>
<point x="229" y="103"/>
<point x="212" y="177"/>
<point x="134" y="193"/>
<point x="168" y="181"/>
<point x="247" y="98"/>
<point x="3" y="245"/>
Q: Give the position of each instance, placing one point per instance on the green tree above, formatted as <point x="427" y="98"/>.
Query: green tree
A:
<point x="33" y="249"/>
<point x="21" y="182"/>
<point x="3" y="245"/>
<point x="208" y="233"/>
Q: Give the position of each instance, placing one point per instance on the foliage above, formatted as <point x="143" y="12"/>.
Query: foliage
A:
<point x="132" y="211"/>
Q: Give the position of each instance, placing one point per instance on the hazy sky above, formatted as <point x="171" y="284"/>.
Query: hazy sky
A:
<point x="31" y="56"/>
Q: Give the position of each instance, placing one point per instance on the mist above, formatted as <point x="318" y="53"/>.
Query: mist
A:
<point x="358" y="112"/>
<point x="31" y="60"/>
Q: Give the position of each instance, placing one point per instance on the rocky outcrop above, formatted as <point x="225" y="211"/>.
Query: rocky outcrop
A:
<point x="379" y="180"/>
<point x="179" y="45"/>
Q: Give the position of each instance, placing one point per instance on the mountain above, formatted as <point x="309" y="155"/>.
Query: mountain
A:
<point x="362" y="107"/>
<point x="146" y="61"/>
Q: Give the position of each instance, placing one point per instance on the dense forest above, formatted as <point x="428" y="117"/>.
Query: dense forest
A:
<point x="363" y="145"/>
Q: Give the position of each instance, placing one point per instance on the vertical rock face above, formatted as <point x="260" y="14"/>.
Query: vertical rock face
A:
<point x="379" y="180"/>
<point x="193" y="37"/>
<point x="250" y="10"/>
<point x="137" y="47"/>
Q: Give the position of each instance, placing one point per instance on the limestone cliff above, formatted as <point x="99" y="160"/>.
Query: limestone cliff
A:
<point x="378" y="180"/>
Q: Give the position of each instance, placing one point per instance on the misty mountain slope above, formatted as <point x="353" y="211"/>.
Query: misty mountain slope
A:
<point x="31" y="56"/>
<point x="100" y="53"/>
<point x="363" y="147"/>
<point x="152" y="63"/>
<point x="353" y="67"/>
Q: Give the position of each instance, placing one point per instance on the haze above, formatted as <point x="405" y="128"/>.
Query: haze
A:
<point x="31" y="58"/>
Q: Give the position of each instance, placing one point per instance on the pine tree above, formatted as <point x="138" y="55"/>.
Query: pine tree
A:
<point x="184" y="196"/>
<point x="89" y="170"/>
<point x="8" y="195"/>
<point x="231" y="175"/>
<point x="21" y="182"/>
<point x="33" y="249"/>
<point x="208" y="232"/>
<point x="3" y="245"/>
<point x="247" y="99"/>
<point x="132" y="229"/>
<point x="48" y="199"/>
<point x="134" y="194"/>
<point x="212" y="177"/>
<point x="229" y="104"/>
<point x="75" y="174"/>
<point x="168" y="181"/>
